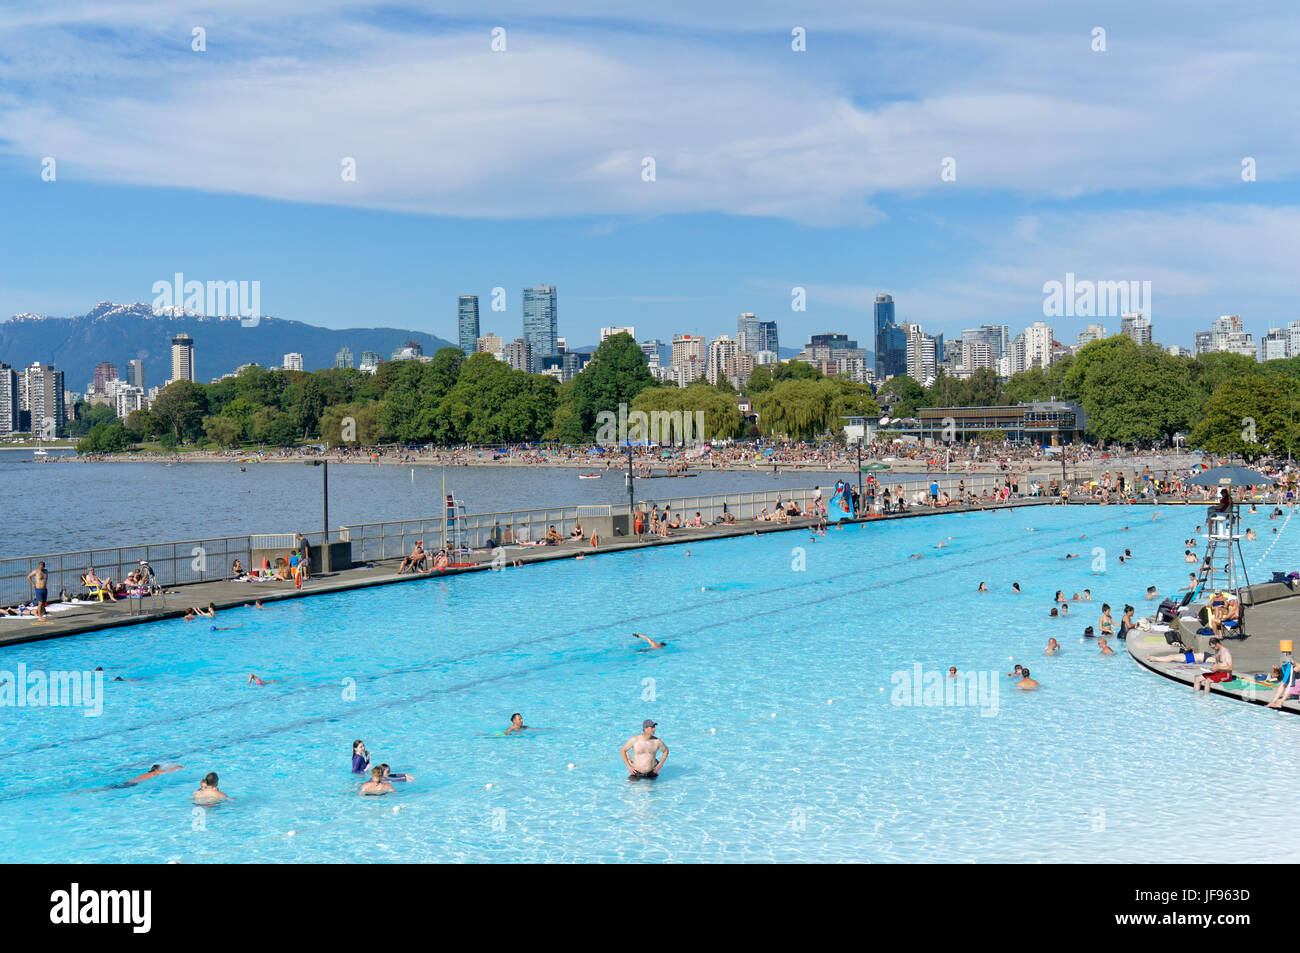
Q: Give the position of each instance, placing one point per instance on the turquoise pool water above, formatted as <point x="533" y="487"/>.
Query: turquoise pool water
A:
<point x="778" y="695"/>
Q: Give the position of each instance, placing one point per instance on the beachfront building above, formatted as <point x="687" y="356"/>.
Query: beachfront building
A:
<point x="182" y="358"/>
<point x="292" y="361"/>
<point x="541" y="320"/>
<point x="690" y="356"/>
<point x="1045" y="422"/>
<point x="467" y="322"/>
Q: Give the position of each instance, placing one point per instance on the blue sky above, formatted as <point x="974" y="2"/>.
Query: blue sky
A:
<point x="774" y="168"/>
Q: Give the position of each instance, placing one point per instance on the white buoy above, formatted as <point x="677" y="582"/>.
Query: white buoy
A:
<point x="396" y="808"/>
<point x="830" y="701"/>
<point x="773" y="714"/>
<point x="713" y="731"/>
<point x="569" y="766"/>
<point x="290" y="834"/>
<point x="487" y="787"/>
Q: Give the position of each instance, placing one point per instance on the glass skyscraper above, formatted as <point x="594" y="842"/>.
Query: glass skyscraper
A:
<point x="755" y="335"/>
<point x="541" y="321"/>
<point x="891" y="340"/>
<point x="467" y="322"/>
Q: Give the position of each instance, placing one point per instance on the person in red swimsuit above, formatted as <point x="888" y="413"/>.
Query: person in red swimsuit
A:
<point x="1220" y="671"/>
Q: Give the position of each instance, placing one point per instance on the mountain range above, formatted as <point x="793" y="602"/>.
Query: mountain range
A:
<point x="120" y="333"/>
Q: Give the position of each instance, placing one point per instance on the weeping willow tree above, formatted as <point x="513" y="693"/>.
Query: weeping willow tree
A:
<point x="798" y="409"/>
<point x="722" y="418"/>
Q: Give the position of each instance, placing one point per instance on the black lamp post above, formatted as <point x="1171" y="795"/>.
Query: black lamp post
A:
<point x="325" y="535"/>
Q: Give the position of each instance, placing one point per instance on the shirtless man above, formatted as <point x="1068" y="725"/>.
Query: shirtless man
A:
<point x="40" y="594"/>
<point x="649" y="641"/>
<point x="1105" y="648"/>
<point x="516" y="724"/>
<point x="1188" y="657"/>
<point x="208" y="792"/>
<point x="1220" y="671"/>
<point x="1026" y="684"/>
<point x="1053" y="647"/>
<point x="376" y="785"/>
<point x="644" y="747"/>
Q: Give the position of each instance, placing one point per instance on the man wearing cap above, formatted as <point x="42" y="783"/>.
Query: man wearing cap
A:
<point x="644" y="747"/>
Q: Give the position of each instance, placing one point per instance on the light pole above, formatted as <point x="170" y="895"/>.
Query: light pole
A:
<point x="325" y="535"/>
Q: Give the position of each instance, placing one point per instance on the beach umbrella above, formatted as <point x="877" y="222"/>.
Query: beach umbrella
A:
<point x="768" y="452"/>
<point x="596" y="450"/>
<point x="1230" y="476"/>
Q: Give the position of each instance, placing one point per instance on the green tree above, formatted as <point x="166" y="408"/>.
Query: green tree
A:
<point x="800" y="409"/>
<point x="1250" y="415"/>
<point x="221" y="430"/>
<point x="616" y="374"/>
<point x="1131" y="393"/>
<point x="104" y="438"/>
<point x="179" y="408"/>
<point x="908" y="394"/>
<point x="759" y="381"/>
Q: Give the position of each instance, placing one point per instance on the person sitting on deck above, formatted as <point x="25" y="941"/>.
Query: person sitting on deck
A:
<point x="1220" y="671"/>
<point x="553" y="537"/>
<point x="415" y="560"/>
<point x="93" y="582"/>
<point x="1230" y="612"/>
<point x="237" y="569"/>
<point x="698" y="521"/>
<point x="577" y="531"/>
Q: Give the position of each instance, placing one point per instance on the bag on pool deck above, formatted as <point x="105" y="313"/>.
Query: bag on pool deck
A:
<point x="1168" y="611"/>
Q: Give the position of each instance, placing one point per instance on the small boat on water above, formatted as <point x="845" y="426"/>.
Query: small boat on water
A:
<point x="40" y="453"/>
<point x="589" y="476"/>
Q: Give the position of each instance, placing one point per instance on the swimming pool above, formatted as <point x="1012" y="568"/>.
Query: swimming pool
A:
<point x="780" y="696"/>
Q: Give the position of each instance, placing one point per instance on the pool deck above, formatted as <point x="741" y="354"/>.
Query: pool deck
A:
<point x="79" y="619"/>
<point x="1275" y="617"/>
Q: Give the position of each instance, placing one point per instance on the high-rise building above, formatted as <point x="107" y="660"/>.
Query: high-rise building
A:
<point x="492" y="344"/>
<point x="1293" y="339"/>
<point x="370" y="362"/>
<point x="891" y="340"/>
<point x="1225" y="336"/>
<point x="657" y="353"/>
<point x="520" y="356"/>
<point x="690" y="355"/>
<point x="45" y="395"/>
<point x="127" y="399"/>
<point x="1273" y="345"/>
<point x="541" y="319"/>
<point x="1038" y="345"/>
<point x="975" y="354"/>
<point x="467" y="322"/>
<point x="1135" y="325"/>
<point x="747" y="333"/>
<point x="343" y="359"/>
<point x="1093" y="332"/>
<point x="105" y="371"/>
<point x="722" y="358"/>
<point x="9" y="404"/>
<point x="292" y="361"/>
<point x="182" y="357"/>
<point x="410" y="351"/>
<point x="135" y="373"/>
<point x="922" y="355"/>
<point x="608" y="332"/>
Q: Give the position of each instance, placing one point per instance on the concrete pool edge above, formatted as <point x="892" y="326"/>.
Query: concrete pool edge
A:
<point x="228" y="595"/>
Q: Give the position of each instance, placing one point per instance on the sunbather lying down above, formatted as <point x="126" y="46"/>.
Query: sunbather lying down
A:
<point x="1188" y="657"/>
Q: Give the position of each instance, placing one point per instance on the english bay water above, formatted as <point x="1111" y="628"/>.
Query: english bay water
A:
<point x="60" y="507"/>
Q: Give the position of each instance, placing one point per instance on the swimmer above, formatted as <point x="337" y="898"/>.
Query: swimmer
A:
<point x="225" y="628"/>
<point x="1075" y="597"/>
<point x="390" y="777"/>
<point x="153" y="772"/>
<point x="1053" y="647"/>
<point x="1087" y="595"/>
<point x="1189" y="556"/>
<point x="914" y="556"/>
<point x="1026" y="683"/>
<point x="376" y="785"/>
<point x="360" y="757"/>
<point x="982" y="588"/>
<point x="255" y="604"/>
<point x="1015" y="587"/>
<point x="1018" y="673"/>
<point x="1065" y="608"/>
<point x="1071" y="555"/>
<point x="516" y="724"/>
<point x="1151" y="593"/>
<point x="254" y="680"/>
<point x="649" y="641"/>
<point x="1059" y="597"/>
<point x="1104" y="647"/>
<point x="208" y="792"/>
<point x="1054" y="614"/>
<point x="645" y="747"/>
<point x="952" y="671"/>
<point x="1089" y="633"/>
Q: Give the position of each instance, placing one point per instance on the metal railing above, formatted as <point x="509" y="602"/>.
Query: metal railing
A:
<point x="173" y="564"/>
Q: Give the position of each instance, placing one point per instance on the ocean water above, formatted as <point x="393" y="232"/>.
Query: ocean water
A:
<point x="785" y="696"/>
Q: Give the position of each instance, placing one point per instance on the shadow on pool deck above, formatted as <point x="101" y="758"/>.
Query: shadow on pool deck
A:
<point x="79" y="619"/>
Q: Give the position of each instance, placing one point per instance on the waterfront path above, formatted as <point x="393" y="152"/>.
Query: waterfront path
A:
<point x="80" y="618"/>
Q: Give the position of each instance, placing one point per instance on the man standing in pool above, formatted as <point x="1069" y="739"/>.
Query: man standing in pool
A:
<point x="644" y="748"/>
